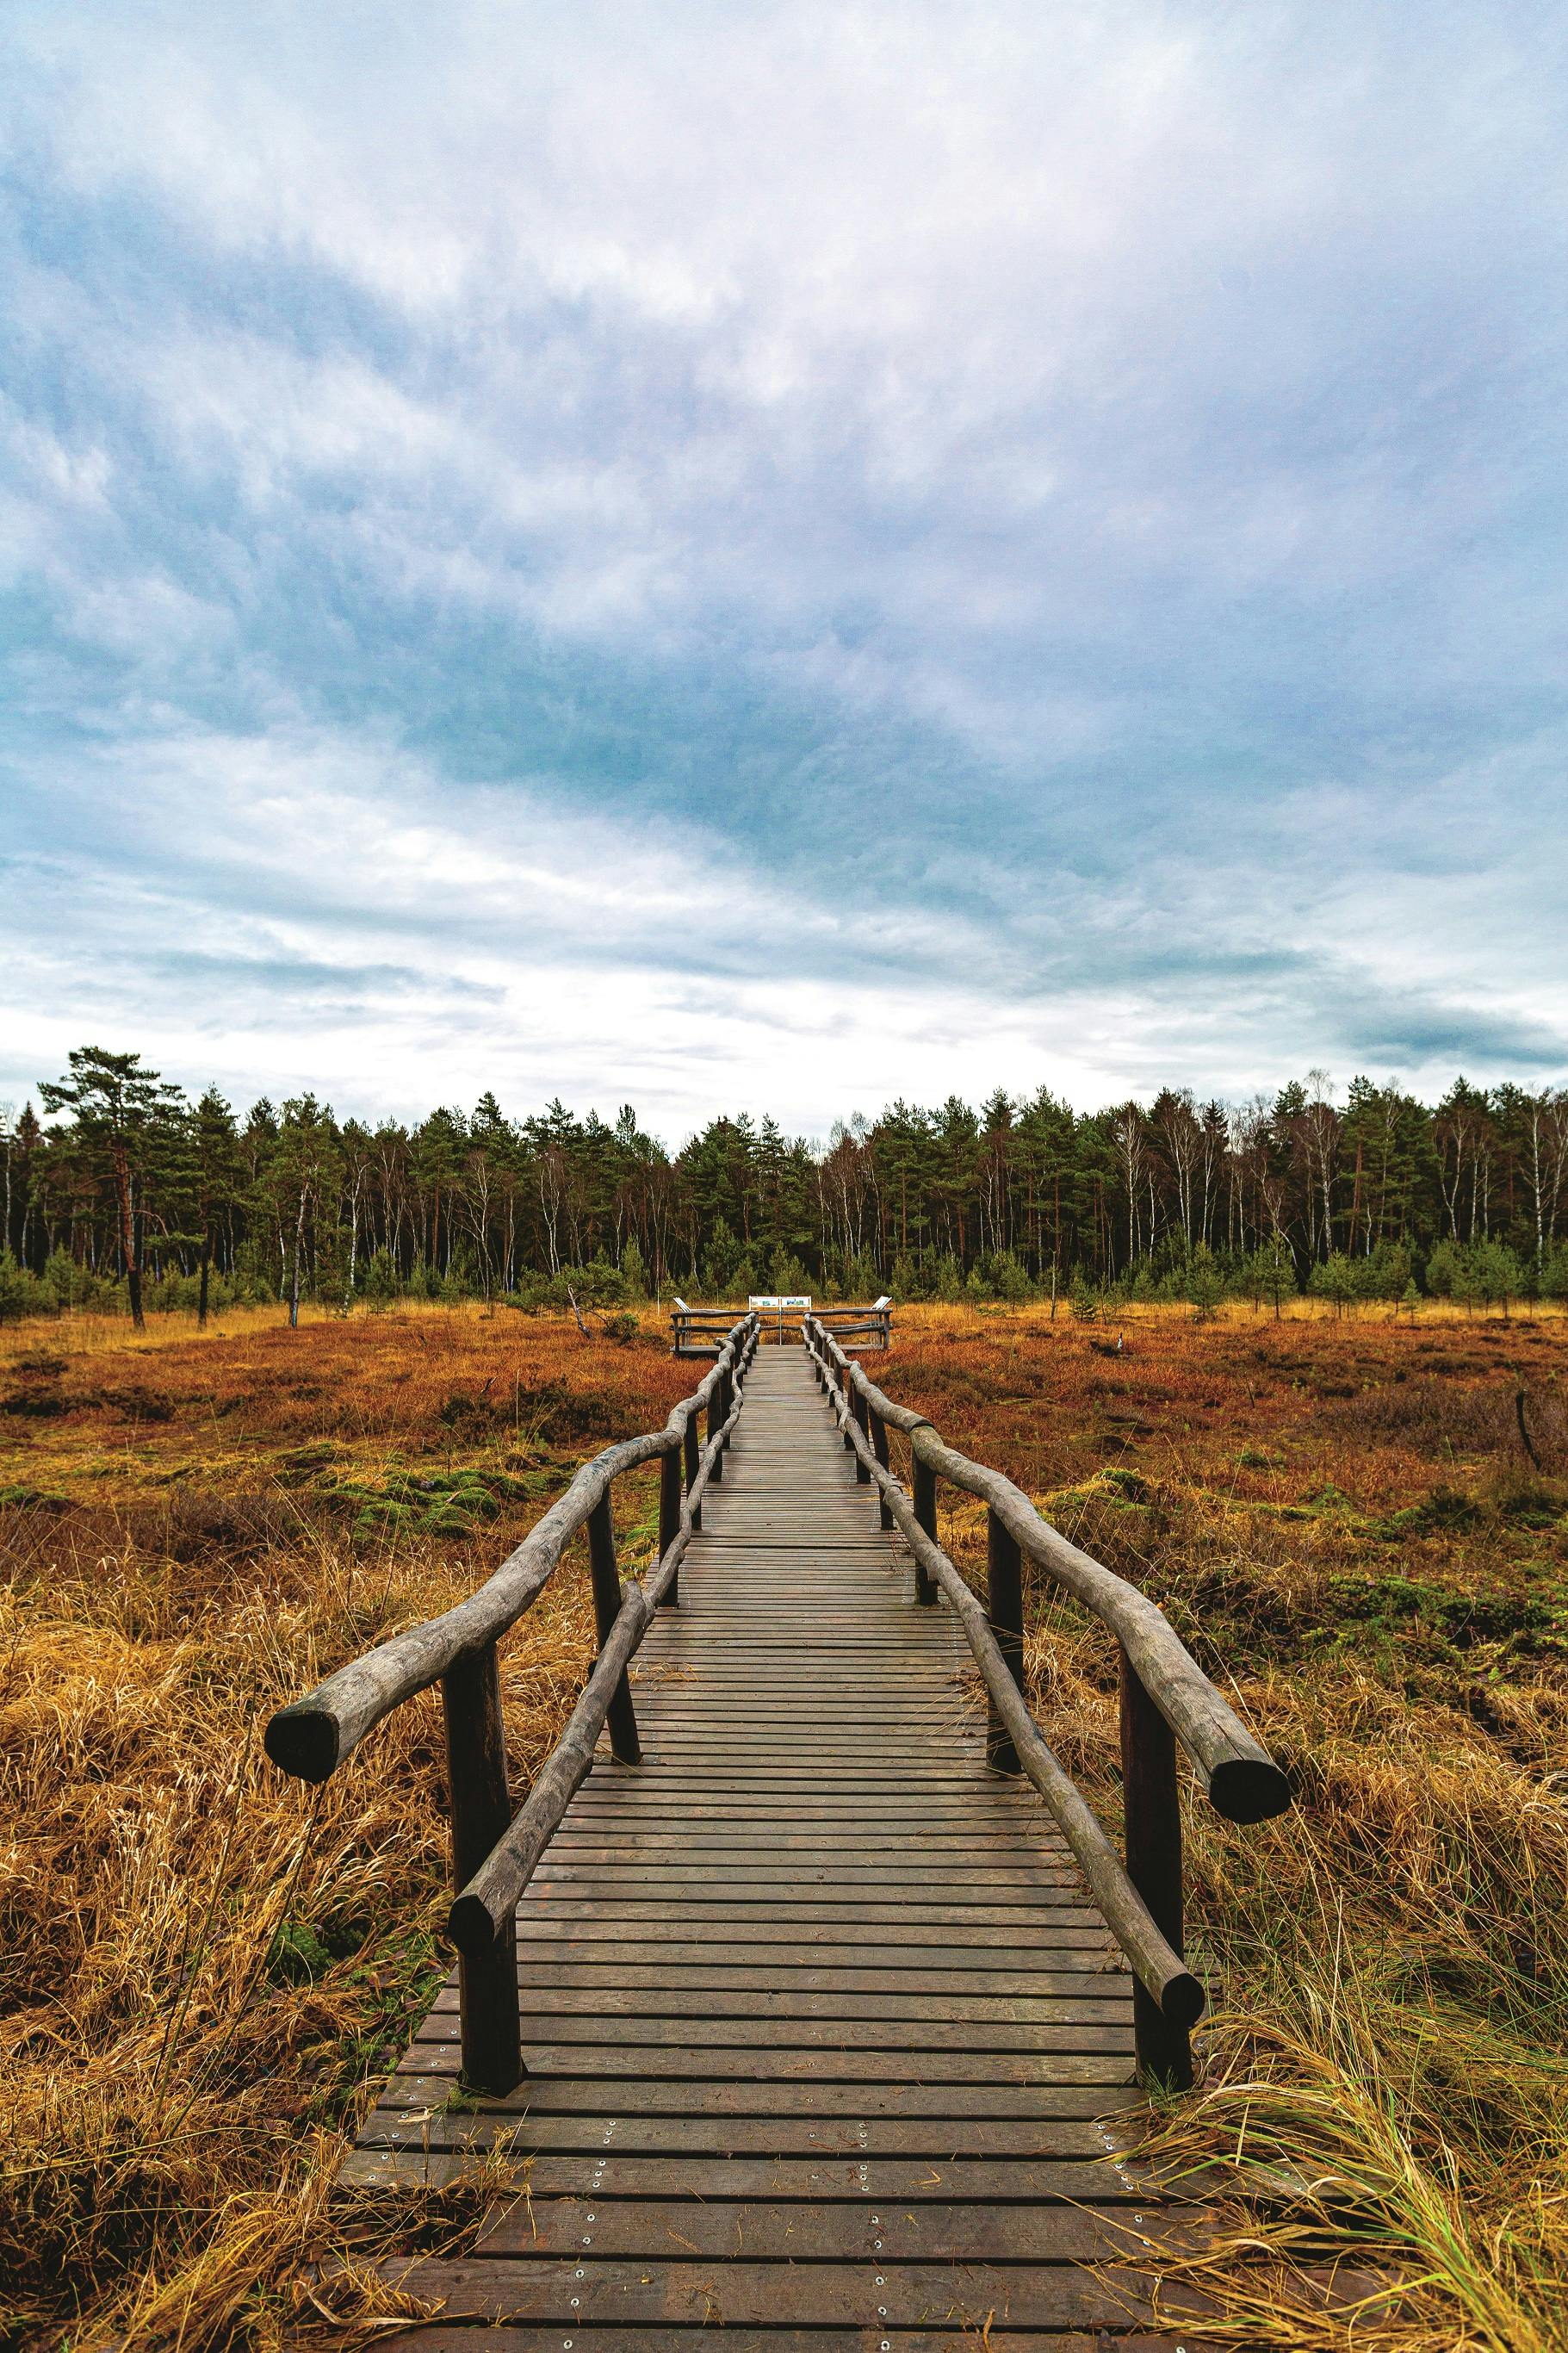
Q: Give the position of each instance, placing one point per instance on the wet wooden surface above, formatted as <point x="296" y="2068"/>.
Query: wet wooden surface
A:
<point x="825" y="2042"/>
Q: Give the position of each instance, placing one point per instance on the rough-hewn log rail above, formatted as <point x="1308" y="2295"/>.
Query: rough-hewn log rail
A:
<point x="1165" y="1697"/>
<point x="492" y="1853"/>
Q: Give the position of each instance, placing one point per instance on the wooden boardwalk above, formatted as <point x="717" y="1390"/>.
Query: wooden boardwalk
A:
<point x="825" y="2037"/>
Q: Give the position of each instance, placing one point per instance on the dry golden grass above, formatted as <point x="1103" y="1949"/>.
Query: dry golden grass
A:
<point x="203" y="1967"/>
<point x="1343" y="1524"/>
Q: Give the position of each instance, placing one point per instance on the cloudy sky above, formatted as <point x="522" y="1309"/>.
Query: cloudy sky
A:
<point x="772" y="557"/>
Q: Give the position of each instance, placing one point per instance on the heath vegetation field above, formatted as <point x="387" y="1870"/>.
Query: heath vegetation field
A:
<point x="1359" y="1523"/>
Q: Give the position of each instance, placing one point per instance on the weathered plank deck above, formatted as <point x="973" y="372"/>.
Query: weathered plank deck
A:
<point x="824" y="2039"/>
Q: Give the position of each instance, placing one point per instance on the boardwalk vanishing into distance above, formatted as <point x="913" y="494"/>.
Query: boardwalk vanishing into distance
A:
<point x="822" y="2039"/>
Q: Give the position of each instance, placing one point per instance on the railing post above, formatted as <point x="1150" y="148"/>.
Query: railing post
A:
<point x="862" y="1413"/>
<point x="715" y="1424"/>
<point x="1152" y="1809"/>
<point x="480" y="1806"/>
<point x="669" y="1515"/>
<point x="925" y="1513"/>
<point x="1005" y="1607"/>
<point x="692" y="1445"/>
<point x="879" y="1449"/>
<point x="848" y="1396"/>
<point x="875" y="1429"/>
<point x="625" y="1747"/>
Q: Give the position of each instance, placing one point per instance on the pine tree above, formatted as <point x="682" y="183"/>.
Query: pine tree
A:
<point x="213" y="1145"/>
<point x="125" y="1119"/>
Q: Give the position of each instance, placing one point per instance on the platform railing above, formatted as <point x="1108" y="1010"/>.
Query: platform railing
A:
<point x="860" y="1331"/>
<point x="699" y="1330"/>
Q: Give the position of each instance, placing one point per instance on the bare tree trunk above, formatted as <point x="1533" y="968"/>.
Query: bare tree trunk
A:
<point x="207" y="1269"/>
<point x="128" y="1241"/>
<point x="294" y="1275"/>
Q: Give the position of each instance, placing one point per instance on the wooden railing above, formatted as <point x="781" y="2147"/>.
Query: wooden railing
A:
<point x="860" y="1331"/>
<point x="1165" y="1697"/>
<point x="698" y="1331"/>
<point x="494" y="1853"/>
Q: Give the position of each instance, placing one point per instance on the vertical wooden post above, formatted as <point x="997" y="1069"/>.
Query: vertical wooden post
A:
<point x="879" y="1449"/>
<point x="1004" y="1607"/>
<point x="670" y="1515"/>
<point x="862" y="1413"/>
<point x="693" y="1448"/>
<point x="481" y="1805"/>
<point x="715" y="1424"/>
<point x="624" y="1744"/>
<point x="925" y="1513"/>
<point x="848" y="1394"/>
<point x="1152" y="1800"/>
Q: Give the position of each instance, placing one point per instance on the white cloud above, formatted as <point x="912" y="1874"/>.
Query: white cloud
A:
<point x="1063" y="497"/>
<point x="322" y="910"/>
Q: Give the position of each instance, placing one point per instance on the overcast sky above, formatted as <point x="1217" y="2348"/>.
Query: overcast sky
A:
<point x="773" y="556"/>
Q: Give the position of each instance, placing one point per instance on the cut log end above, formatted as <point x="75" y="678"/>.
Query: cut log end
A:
<point x="471" y="1928"/>
<point x="1249" y="1789"/>
<point x="1183" y="2000"/>
<point x="303" y="1740"/>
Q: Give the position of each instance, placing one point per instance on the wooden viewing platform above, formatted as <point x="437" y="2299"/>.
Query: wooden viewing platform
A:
<point x="821" y="2029"/>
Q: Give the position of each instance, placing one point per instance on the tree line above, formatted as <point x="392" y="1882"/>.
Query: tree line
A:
<point x="120" y="1191"/>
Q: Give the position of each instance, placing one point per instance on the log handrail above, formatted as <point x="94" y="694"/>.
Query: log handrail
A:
<point x="482" y="1909"/>
<point x="491" y="1849"/>
<point x="1241" y="1780"/>
<point x="312" y="1735"/>
<point x="1164" y="1693"/>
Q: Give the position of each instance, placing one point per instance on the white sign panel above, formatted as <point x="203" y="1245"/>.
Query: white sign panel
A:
<point x="774" y="1300"/>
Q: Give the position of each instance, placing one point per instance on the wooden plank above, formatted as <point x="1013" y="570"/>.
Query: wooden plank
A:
<point x="916" y="2050"/>
<point x="677" y="1925"/>
<point x="785" y="1969"/>
<point x="647" y="2228"/>
<point x="593" y="2295"/>
<point x="540" y="1958"/>
<point x="759" y="1871"/>
<point x="552" y="2090"/>
<point x="502" y="2336"/>
<point x="544" y="1908"/>
<point x="912" y="2181"/>
<point x="677" y="1999"/>
<point x="936" y="2141"/>
<point x="767" y="2065"/>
